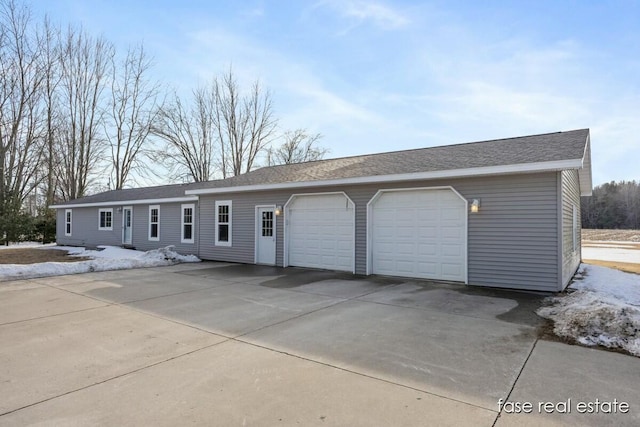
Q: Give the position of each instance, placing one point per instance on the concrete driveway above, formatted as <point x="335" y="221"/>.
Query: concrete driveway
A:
<point x="226" y="344"/>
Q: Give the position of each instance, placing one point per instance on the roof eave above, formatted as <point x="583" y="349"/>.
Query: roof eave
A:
<point x="550" y="166"/>
<point x="127" y="202"/>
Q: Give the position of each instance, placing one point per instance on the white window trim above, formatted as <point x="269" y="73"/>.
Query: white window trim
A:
<point x="68" y="220"/>
<point x="230" y="223"/>
<point x="110" y="210"/>
<point x="157" y="238"/>
<point x="182" y="223"/>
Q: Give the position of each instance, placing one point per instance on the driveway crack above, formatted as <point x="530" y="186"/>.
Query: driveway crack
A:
<point x="513" y="386"/>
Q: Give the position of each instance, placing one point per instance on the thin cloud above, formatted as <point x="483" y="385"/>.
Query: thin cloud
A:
<point x="361" y="12"/>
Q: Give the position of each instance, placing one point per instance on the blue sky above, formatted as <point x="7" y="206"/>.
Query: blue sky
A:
<point x="376" y="76"/>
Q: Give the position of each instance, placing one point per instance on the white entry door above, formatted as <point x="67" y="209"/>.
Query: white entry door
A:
<point x="126" y="225"/>
<point x="265" y="235"/>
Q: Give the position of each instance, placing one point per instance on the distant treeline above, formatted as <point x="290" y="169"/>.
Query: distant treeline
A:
<point x="613" y="205"/>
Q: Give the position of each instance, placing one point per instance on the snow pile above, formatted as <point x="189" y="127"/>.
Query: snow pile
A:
<point x="603" y="309"/>
<point x="104" y="259"/>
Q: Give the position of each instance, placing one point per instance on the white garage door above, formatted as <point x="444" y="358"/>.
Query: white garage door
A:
<point x="320" y="232"/>
<point x="419" y="233"/>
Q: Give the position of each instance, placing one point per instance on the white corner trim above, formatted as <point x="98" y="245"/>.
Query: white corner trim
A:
<point x="551" y="166"/>
<point x="128" y="202"/>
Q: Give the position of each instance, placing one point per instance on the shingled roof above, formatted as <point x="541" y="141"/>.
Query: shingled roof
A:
<point x="545" y="152"/>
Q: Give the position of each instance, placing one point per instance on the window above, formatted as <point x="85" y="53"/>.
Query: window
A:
<point x="105" y="219"/>
<point x="187" y="223"/>
<point x="267" y="223"/>
<point x="154" y="222"/>
<point x="575" y="228"/>
<point x="223" y="223"/>
<point x="67" y="222"/>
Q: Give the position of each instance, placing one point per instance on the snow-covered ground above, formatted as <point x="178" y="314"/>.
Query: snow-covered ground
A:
<point x="19" y="245"/>
<point x="602" y="305"/>
<point x="612" y="251"/>
<point x="108" y="258"/>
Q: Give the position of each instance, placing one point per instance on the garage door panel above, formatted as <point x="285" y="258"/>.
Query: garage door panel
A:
<point x="451" y="232"/>
<point x="405" y="231"/>
<point x="451" y="270"/>
<point x="419" y="233"/>
<point x="451" y="250"/>
<point x="425" y="250"/>
<point x="320" y="232"/>
<point x="428" y="268"/>
<point x="428" y="214"/>
<point x="404" y="266"/>
<point x="405" y="249"/>
<point x="427" y="232"/>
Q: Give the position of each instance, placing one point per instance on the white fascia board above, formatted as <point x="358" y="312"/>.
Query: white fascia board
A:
<point x="584" y="174"/>
<point x="551" y="166"/>
<point x="129" y="202"/>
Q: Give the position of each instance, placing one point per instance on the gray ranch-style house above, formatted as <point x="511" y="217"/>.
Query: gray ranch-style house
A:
<point x="500" y="213"/>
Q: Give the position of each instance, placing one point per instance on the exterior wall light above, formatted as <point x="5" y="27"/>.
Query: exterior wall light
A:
<point x="119" y="209"/>
<point x="475" y="205"/>
<point x="278" y="210"/>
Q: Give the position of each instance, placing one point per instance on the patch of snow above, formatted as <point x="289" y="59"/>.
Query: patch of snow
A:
<point x="611" y="254"/>
<point x="104" y="259"/>
<point x="603" y="309"/>
<point x="608" y="243"/>
<point x="28" y="245"/>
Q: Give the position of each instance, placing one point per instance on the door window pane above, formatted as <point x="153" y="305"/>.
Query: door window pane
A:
<point x="267" y="224"/>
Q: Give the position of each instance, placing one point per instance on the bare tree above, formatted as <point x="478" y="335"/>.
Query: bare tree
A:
<point x="189" y="137"/>
<point x="629" y="201"/>
<point x="298" y="146"/>
<point x="50" y="38"/>
<point x="245" y="124"/>
<point x="84" y="66"/>
<point x="221" y="127"/>
<point x="20" y="108"/>
<point x="132" y="111"/>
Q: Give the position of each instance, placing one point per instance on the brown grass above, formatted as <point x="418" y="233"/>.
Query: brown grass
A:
<point x="623" y="266"/>
<point x="35" y="255"/>
<point x="611" y="235"/>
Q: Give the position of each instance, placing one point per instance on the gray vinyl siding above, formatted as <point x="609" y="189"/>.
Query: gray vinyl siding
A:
<point x="570" y="188"/>
<point x="512" y="241"/>
<point x="243" y="226"/>
<point x="84" y="228"/>
<point x="170" y="226"/>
